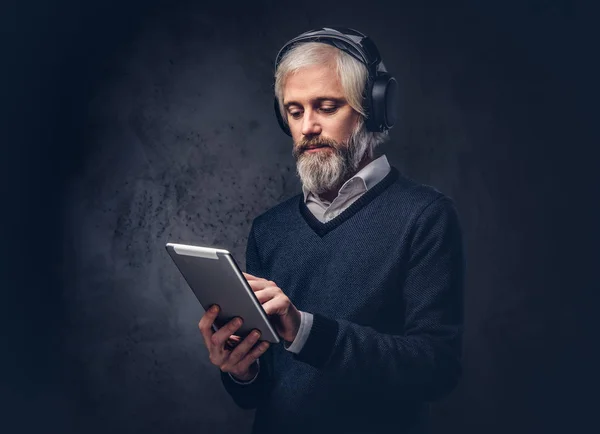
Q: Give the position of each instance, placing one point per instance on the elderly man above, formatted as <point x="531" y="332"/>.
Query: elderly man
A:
<point x="361" y="274"/>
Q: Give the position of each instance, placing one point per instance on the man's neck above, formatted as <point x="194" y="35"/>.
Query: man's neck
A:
<point x="332" y="194"/>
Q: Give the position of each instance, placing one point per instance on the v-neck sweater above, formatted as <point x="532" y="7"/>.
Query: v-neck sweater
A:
<point x="322" y="228"/>
<point x="383" y="281"/>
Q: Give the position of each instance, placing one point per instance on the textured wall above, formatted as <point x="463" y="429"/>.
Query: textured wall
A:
<point x="182" y="152"/>
<point x="165" y="132"/>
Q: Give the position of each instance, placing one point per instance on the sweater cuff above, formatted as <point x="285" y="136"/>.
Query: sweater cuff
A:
<point x="320" y="342"/>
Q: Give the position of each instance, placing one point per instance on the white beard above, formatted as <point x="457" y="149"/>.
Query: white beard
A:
<point x="327" y="169"/>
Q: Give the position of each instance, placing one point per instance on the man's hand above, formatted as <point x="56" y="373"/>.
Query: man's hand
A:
<point x="276" y="304"/>
<point x="228" y="351"/>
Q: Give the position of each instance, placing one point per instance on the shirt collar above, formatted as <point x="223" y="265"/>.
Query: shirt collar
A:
<point x="370" y="175"/>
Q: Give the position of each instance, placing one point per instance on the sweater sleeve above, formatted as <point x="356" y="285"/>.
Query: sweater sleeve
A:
<point x="424" y="362"/>
<point x="249" y="395"/>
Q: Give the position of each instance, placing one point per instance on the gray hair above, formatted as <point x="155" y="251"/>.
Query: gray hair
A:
<point x="353" y="76"/>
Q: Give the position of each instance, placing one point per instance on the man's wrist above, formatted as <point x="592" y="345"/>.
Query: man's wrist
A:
<point x="298" y="315"/>
<point x="249" y="377"/>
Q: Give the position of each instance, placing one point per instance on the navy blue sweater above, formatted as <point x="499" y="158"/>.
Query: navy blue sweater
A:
<point x="384" y="282"/>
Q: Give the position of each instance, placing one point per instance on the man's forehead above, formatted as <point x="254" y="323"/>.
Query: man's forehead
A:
<point x="311" y="84"/>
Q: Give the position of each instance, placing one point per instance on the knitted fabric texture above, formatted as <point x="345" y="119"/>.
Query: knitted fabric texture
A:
<point x="384" y="281"/>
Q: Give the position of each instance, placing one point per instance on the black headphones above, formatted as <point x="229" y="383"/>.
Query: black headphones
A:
<point x="381" y="88"/>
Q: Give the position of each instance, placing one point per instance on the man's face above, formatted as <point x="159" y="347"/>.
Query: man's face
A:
<point x="324" y="127"/>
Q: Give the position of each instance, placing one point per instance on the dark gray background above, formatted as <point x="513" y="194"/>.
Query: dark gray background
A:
<point x="130" y="124"/>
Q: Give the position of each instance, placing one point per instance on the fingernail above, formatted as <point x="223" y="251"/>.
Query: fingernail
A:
<point x="238" y="321"/>
<point x="256" y="334"/>
<point x="214" y="308"/>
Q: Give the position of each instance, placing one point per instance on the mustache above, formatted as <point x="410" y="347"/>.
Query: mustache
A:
<point x="313" y="142"/>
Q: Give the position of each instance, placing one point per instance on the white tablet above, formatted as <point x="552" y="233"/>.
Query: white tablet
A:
<point x="215" y="278"/>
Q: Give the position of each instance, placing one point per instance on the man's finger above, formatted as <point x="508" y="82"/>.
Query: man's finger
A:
<point x="219" y="337"/>
<point x="235" y="339"/>
<point x="252" y="355"/>
<point x="258" y="285"/>
<point x="232" y="342"/>
<point x="275" y="306"/>
<point x="249" y="276"/>
<point x="243" y="347"/>
<point x="206" y="323"/>
<point x="266" y="294"/>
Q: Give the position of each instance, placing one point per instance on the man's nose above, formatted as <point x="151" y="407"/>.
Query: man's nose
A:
<point x="310" y="125"/>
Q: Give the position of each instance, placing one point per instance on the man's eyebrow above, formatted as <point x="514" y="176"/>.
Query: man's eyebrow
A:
<point x="335" y="99"/>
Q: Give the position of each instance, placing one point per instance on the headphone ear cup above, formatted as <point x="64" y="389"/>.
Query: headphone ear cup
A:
<point x="391" y="103"/>
<point x="383" y="103"/>
<point x="282" y="124"/>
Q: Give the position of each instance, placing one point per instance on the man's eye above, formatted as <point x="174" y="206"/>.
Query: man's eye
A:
<point x="295" y="115"/>
<point x="328" y="109"/>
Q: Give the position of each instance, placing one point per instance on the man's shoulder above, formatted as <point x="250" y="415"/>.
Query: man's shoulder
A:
<point x="415" y="196"/>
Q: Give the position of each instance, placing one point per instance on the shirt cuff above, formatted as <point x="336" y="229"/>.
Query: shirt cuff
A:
<point x="306" y="321"/>
<point x="249" y="381"/>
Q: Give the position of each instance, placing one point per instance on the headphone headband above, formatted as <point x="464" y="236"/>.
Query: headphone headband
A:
<point x="350" y="41"/>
